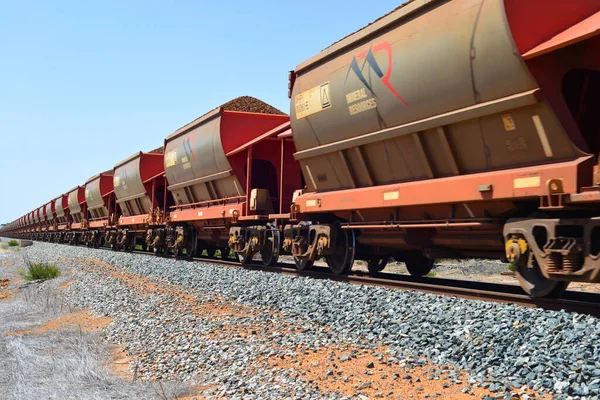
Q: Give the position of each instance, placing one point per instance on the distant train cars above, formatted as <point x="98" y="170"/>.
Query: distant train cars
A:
<point x="444" y="129"/>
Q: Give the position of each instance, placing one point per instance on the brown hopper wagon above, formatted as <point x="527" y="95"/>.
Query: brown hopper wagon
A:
<point x="51" y="215"/>
<point x="61" y="208"/>
<point x="454" y="129"/>
<point x="141" y="196"/>
<point x="100" y="206"/>
<point x="77" y="214"/>
<point x="226" y="174"/>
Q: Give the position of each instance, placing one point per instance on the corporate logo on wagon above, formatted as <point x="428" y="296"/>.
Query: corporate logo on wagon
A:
<point x="365" y="98"/>
<point x="185" y="150"/>
<point x="189" y="152"/>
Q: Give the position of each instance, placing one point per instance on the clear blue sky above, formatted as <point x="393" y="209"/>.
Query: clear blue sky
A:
<point x="85" y="84"/>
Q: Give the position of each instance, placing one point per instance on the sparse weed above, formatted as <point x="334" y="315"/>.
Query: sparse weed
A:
<point x="13" y="243"/>
<point x="431" y="274"/>
<point x="43" y="271"/>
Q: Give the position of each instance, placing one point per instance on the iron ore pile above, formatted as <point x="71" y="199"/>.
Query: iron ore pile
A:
<point x="250" y="104"/>
<point x="160" y="150"/>
<point x="252" y="334"/>
<point x="244" y="104"/>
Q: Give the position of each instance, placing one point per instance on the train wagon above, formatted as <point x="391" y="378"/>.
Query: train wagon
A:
<point x="225" y="175"/>
<point x="140" y="190"/>
<point x="36" y="221"/>
<point x="61" y="208"/>
<point x="454" y="129"/>
<point x="48" y="218"/>
<point x="41" y="211"/>
<point x="100" y="205"/>
<point x="77" y="214"/>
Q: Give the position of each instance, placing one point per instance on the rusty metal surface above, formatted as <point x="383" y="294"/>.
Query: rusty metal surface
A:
<point x="457" y="55"/>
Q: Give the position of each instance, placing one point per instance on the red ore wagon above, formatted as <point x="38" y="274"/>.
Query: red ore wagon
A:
<point x="139" y="186"/>
<point x="228" y="171"/>
<point x="463" y="128"/>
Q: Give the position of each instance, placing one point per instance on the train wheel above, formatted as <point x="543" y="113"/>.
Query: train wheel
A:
<point x="270" y="253"/>
<point x="418" y="265"/>
<point x="245" y="260"/>
<point x="189" y="251"/>
<point x="211" y="251"/>
<point x="303" y="264"/>
<point x="376" y="265"/>
<point x="340" y="262"/>
<point x="534" y="283"/>
<point x="224" y="253"/>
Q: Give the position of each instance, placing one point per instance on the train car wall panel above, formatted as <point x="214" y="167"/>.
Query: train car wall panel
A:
<point x="97" y="189"/>
<point x="76" y="198"/>
<point x="43" y="216"/>
<point x="61" y="207"/>
<point x="441" y="93"/>
<point x="50" y="211"/>
<point x="196" y="164"/>
<point x="133" y="196"/>
<point x="40" y="214"/>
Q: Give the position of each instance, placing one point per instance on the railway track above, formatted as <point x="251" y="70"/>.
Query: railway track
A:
<point x="571" y="301"/>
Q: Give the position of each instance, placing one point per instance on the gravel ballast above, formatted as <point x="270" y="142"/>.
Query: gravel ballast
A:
<point x="504" y="348"/>
<point x="39" y="362"/>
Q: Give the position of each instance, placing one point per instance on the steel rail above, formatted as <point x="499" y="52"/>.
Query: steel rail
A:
<point x="571" y="301"/>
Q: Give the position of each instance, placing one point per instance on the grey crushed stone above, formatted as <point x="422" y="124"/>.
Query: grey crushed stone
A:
<point x="57" y="364"/>
<point x="505" y="346"/>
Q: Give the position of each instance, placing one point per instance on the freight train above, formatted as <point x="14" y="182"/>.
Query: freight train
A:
<point x="447" y="128"/>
